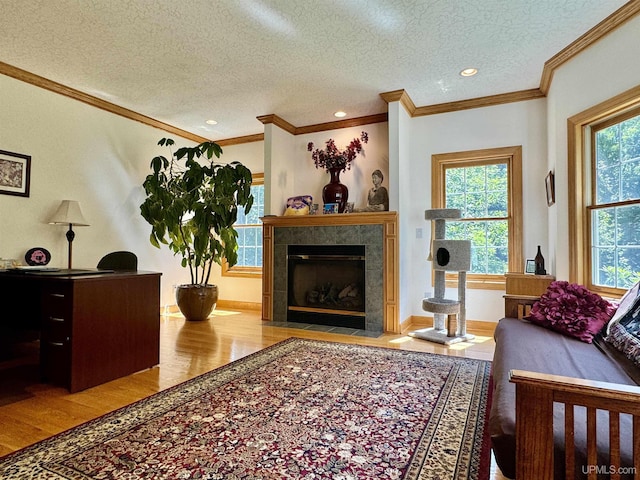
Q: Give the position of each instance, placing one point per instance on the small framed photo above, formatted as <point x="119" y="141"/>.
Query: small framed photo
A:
<point x="15" y="173"/>
<point x="531" y="266"/>
<point x="330" y="208"/>
<point x="551" y="188"/>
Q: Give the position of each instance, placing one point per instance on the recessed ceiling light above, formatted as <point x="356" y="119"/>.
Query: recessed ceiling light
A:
<point x="469" y="72"/>
<point x="340" y="114"/>
<point x="211" y="122"/>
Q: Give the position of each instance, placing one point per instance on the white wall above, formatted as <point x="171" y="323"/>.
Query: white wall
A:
<point x="405" y="199"/>
<point x="279" y="168"/>
<point x="239" y="289"/>
<point x="294" y="172"/>
<point x="100" y="159"/>
<point x="605" y="70"/>
<point x="521" y="123"/>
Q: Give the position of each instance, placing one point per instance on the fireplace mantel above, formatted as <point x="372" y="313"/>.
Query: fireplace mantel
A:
<point x="335" y="223"/>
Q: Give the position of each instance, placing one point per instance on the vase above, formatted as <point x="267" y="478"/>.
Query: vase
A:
<point x="334" y="191"/>
<point x="540" y="263"/>
<point x="196" y="302"/>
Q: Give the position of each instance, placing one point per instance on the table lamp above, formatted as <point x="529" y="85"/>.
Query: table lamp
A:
<point x="69" y="213"/>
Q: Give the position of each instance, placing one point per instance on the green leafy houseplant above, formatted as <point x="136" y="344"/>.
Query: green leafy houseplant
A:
<point x="193" y="204"/>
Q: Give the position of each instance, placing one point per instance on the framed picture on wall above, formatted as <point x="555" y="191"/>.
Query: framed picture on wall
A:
<point x="551" y="189"/>
<point x="15" y="173"/>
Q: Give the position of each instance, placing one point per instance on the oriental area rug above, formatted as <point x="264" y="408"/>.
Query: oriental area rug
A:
<point x="300" y="409"/>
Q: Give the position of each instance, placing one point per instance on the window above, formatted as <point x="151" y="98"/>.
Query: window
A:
<point x="486" y="185"/>
<point x="249" y="228"/>
<point x="615" y="209"/>
<point x="603" y="144"/>
<point x="604" y="158"/>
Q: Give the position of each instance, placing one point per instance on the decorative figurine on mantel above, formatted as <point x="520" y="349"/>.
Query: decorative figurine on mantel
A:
<point x="447" y="256"/>
<point x="378" y="197"/>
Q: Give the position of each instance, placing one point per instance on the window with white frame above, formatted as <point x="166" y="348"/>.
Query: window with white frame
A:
<point x="249" y="228"/>
<point x="486" y="185"/>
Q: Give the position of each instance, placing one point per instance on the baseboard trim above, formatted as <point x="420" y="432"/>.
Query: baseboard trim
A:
<point x="234" y="304"/>
<point x="478" y="327"/>
<point x="223" y="304"/>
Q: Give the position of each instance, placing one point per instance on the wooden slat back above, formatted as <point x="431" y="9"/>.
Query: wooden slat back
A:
<point x="569" y="442"/>
<point x="592" y="446"/>
<point x="636" y="444"/>
<point x="614" y="442"/>
<point x="535" y="396"/>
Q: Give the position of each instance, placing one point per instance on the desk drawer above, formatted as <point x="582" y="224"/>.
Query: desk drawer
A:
<point x="55" y="362"/>
<point x="55" y="342"/>
<point x="57" y="309"/>
<point x="57" y="301"/>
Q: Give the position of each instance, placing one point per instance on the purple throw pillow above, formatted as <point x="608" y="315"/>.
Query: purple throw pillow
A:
<point x="573" y="310"/>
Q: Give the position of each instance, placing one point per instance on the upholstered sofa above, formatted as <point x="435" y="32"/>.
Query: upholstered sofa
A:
<point x="551" y="389"/>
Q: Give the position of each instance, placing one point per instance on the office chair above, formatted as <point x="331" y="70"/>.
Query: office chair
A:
<point x="119" y="261"/>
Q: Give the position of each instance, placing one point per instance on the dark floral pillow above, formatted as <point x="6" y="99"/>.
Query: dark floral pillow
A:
<point x="573" y="310"/>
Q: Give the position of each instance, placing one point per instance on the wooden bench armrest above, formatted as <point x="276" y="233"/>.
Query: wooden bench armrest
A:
<point x="535" y="396"/>
<point x="559" y="383"/>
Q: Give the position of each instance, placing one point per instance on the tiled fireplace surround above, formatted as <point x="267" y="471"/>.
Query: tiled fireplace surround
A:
<point x="376" y="231"/>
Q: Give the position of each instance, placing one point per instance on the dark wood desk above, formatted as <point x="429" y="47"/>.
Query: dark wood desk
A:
<point x="94" y="327"/>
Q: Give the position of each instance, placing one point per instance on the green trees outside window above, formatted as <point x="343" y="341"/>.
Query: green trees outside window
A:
<point x="615" y="207"/>
<point x="481" y="193"/>
<point x="249" y="228"/>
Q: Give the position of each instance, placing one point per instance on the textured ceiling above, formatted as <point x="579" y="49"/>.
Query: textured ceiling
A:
<point x="185" y="61"/>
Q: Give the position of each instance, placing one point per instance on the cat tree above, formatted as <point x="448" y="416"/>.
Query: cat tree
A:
<point x="449" y="316"/>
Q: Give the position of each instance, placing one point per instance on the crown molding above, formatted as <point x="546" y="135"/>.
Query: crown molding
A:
<point x="609" y="24"/>
<point x="405" y="100"/>
<point x="280" y="122"/>
<point x="55" y="87"/>
<point x="258" y="137"/>
<point x="346" y="123"/>
<point x="321" y="127"/>
<point x="478" y="102"/>
<point x="400" y="96"/>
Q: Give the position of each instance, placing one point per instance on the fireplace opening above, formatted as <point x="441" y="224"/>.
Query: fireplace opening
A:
<point x="326" y="285"/>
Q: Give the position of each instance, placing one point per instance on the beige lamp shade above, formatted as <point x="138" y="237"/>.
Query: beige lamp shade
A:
<point x="69" y="213"/>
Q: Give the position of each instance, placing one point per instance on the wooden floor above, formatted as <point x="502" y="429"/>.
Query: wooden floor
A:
<point x="35" y="411"/>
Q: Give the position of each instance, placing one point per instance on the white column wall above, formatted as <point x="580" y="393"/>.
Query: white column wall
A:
<point x="521" y="123"/>
<point x="605" y="70"/>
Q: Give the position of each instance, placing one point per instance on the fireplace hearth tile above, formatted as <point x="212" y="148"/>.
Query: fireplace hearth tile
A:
<point x="324" y="328"/>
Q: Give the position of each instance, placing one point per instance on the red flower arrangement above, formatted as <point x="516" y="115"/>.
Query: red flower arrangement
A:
<point x="331" y="157"/>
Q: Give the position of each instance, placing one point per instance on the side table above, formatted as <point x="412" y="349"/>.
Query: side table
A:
<point x="522" y="291"/>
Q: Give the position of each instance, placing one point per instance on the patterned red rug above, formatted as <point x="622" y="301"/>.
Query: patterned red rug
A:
<point x="300" y="409"/>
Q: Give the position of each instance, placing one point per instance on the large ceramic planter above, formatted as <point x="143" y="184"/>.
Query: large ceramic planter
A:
<point x="196" y="302"/>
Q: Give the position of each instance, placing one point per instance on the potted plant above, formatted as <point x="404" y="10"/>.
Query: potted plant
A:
<point x="192" y="206"/>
